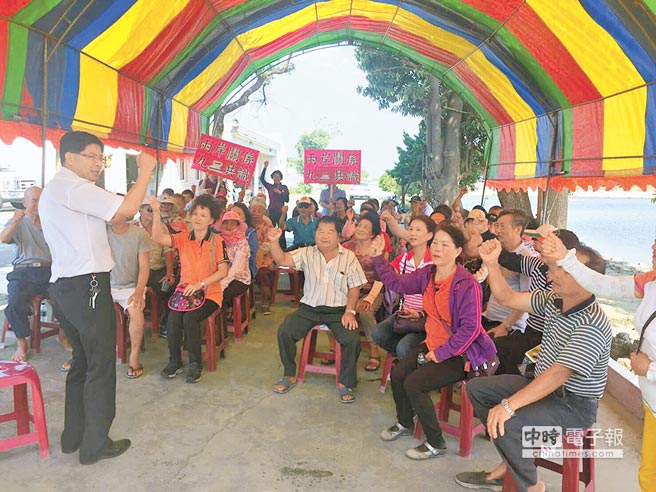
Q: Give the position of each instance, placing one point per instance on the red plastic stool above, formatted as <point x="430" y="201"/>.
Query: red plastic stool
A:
<point x="465" y="430"/>
<point x="18" y="375"/>
<point x="240" y="325"/>
<point x="121" y="333"/>
<point x="152" y="312"/>
<point x="36" y="326"/>
<point x="294" y="283"/>
<point x="309" y="352"/>
<point x="573" y="470"/>
<point x="387" y="371"/>
<point x="215" y="340"/>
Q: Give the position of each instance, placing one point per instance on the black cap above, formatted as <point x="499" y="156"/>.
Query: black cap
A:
<point x="415" y="199"/>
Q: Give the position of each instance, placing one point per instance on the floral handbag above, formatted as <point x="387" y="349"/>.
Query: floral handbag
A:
<point x="180" y="302"/>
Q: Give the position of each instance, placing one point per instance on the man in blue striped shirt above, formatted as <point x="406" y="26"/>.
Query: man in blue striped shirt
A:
<point x="570" y="374"/>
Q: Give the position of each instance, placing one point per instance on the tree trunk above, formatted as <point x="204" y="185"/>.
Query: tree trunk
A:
<point x="554" y="207"/>
<point x="518" y="200"/>
<point x="434" y="165"/>
<point x="452" y="145"/>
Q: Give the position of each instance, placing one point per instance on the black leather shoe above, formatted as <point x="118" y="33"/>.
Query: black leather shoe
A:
<point x="111" y="450"/>
<point x="67" y="450"/>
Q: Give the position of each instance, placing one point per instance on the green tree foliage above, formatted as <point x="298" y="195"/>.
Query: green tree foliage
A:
<point x="399" y="84"/>
<point x="316" y="139"/>
<point x="387" y="183"/>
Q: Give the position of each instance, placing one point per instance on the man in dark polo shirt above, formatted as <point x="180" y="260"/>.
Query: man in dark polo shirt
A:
<point x="570" y="374"/>
<point x="74" y="211"/>
<point x="31" y="272"/>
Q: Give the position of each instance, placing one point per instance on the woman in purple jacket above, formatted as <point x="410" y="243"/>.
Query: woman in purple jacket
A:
<point x="454" y="335"/>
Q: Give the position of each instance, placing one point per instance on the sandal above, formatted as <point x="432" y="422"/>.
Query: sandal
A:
<point x="66" y="366"/>
<point x="286" y="386"/>
<point x="133" y="373"/>
<point x="328" y="361"/>
<point x="373" y="365"/>
<point x="345" y="393"/>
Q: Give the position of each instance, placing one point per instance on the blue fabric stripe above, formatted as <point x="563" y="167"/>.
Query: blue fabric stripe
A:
<point x="70" y="86"/>
<point x="545" y="133"/>
<point x="99" y="21"/>
<point x="650" y="122"/>
<point x="606" y="18"/>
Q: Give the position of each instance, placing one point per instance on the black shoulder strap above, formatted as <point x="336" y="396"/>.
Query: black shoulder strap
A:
<point x="644" y="328"/>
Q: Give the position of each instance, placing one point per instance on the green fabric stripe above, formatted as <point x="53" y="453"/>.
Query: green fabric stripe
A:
<point x="243" y="8"/>
<point x="148" y="95"/>
<point x="17" y="52"/>
<point x="652" y="5"/>
<point x="335" y="36"/>
<point x="516" y="48"/>
<point x="568" y="141"/>
<point x="493" y="157"/>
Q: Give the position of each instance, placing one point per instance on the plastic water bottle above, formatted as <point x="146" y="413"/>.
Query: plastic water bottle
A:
<point x="44" y="312"/>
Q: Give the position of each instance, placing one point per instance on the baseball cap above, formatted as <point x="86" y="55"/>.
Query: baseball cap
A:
<point x="542" y="231"/>
<point x="305" y="199"/>
<point x="230" y="215"/>
<point x="477" y="214"/>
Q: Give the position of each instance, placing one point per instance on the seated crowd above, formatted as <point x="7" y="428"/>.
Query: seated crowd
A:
<point x="448" y="293"/>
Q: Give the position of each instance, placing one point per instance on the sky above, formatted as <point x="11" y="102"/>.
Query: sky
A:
<point x="321" y="94"/>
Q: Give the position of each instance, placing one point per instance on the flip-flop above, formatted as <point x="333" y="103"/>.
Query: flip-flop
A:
<point x="373" y="366"/>
<point x="66" y="366"/>
<point x="343" y="392"/>
<point x="133" y="373"/>
<point x="287" y="385"/>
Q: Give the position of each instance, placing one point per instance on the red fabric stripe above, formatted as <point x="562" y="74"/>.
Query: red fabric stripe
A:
<point x="544" y="46"/>
<point x="587" y="139"/>
<point x="474" y="83"/>
<point x="171" y="41"/>
<point x="193" y="129"/>
<point x="129" y="110"/>
<point x="506" y="170"/>
<point x="9" y="7"/>
<point x="223" y="5"/>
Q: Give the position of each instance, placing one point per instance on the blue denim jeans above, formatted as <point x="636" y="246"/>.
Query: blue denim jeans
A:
<point x="394" y="343"/>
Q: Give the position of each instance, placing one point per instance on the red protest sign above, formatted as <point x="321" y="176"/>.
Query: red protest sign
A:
<point x="226" y="159"/>
<point x="331" y="166"/>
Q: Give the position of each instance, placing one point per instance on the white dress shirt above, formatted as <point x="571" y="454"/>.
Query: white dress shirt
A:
<point x="73" y="213"/>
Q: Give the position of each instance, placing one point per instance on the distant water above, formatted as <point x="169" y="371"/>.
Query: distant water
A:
<point x="621" y="228"/>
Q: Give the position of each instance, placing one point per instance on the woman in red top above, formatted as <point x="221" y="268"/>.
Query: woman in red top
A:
<point x="199" y="270"/>
<point x="452" y="307"/>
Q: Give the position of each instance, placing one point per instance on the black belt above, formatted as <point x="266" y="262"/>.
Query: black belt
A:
<point x="562" y="392"/>
<point x="33" y="265"/>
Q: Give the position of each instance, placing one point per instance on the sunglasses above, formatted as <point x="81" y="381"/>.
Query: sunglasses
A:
<point x="148" y="209"/>
<point x="303" y="205"/>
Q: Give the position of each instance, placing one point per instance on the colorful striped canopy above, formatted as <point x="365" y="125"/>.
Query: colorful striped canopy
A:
<point x="566" y="88"/>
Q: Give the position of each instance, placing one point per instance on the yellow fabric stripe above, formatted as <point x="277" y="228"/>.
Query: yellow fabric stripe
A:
<point x="497" y="82"/>
<point x="624" y="130"/>
<point x="526" y="148"/>
<point x="97" y="96"/>
<point x="178" y="130"/>
<point x="596" y="52"/>
<point x="133" y="31"/>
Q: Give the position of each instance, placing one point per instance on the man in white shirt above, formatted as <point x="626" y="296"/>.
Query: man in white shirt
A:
<point x="333" y="277"/>
<point x="73" y="214"/>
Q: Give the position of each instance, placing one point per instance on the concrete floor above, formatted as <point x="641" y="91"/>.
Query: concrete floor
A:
<point x="230" y="432"/>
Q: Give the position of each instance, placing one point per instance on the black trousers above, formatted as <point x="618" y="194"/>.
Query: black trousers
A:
<point x="91" y="382"/>
<point x="299" y="323"/>
<point x="411" y="384"/>
<point x="22" y="285"/>
<point x="512" y="347"/>
<point x="188" y="323"/>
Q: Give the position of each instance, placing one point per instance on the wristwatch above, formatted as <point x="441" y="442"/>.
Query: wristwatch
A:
<point x="506" y="407"/>
<point x="352" y="311"/>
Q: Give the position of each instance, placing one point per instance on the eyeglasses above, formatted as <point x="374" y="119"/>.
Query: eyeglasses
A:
<point x="105" y="160"/>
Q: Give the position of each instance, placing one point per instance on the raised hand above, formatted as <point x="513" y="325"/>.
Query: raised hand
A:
<point x="284" y="209"/>
<point x="387" y="216"/>
<point x="553" y="248"/>
<point x="18" y="215"/>
<point x="490" y="251"/>
<point x="458" y="221"/>
<point x="265" y="164"/>
<point x="350" y="214"/>
<point x="146" y="162"/>
<point x="154" y="203"/>
<point x="274" y="234"/>
<point x="377" y="246"/>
